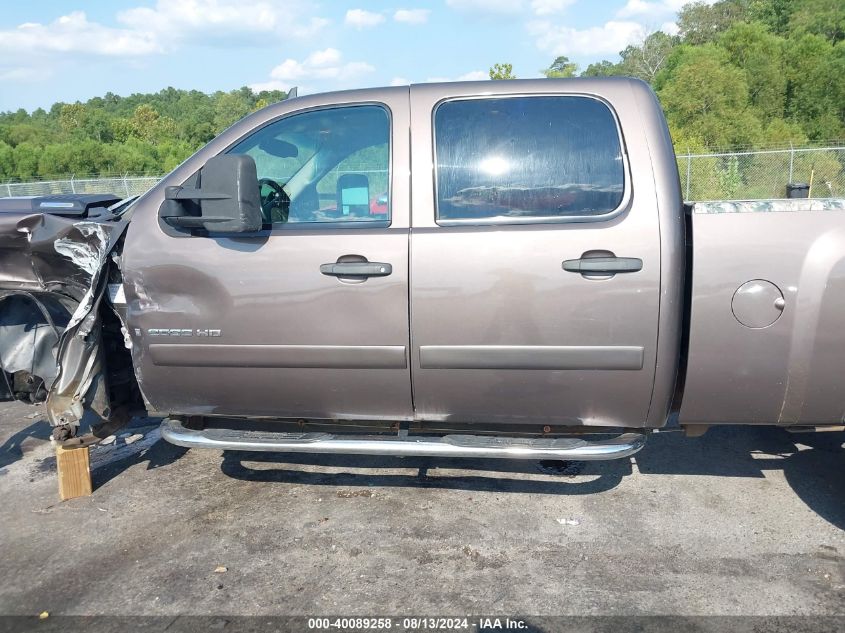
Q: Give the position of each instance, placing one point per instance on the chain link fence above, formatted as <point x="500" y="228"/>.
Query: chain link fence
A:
<point x="751" y="175"/>
<point x="120" y="185"/>
<point x="762" y="174"/>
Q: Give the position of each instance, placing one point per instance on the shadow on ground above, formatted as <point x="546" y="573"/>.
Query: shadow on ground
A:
<point x="13" y="448"/>
<point x="485" y="475"/>
<point x="159" y="454"/>
<point x="812" y="463"/>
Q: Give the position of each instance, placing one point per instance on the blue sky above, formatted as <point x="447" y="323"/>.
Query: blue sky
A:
<point x="72" y="50"/>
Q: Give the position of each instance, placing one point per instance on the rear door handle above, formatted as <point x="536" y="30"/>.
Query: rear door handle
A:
<point x="603" y="265"/>
<point x="356" y="269"/>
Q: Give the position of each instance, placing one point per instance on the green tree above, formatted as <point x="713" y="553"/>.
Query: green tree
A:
<point x="54" y="160"/>
<point x="137" y="133"/>
<point x="820" y="17"/>
<point x="699" y="176"/>
<point x="700" y="22"/>
<point x="7" y="161"/>
<point x="816" y="86"/>
<point x="144" y="122"/>
<point x="147" y="124"/>
<point x="502" y="71"/>
<point x="121" y="129"/>
<point x="648" y="58"/>
<point x="97" y="125"/>
<point x="603" y="68"/>
<point x="775" y="15"/>
<point x="25" y="156"/>
<point x="756" y="51"/>
<point x="782" y="133"/>
<point x="230" y="107"/>
<point x="72" y="116"/>
<point x="561" y="67"/>
<point x="729" y="178"/>
<point x="708" y="98"/>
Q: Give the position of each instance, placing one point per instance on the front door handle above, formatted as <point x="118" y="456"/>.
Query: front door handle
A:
<point x="356" y="269"/>
<point x="603" y="265"/>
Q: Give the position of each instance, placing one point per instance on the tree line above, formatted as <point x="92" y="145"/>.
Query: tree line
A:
<point x="138" y="134"/>
<point x="738" y="74"/>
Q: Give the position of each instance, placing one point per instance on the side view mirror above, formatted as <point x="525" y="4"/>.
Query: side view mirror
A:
<point x="226" y="196"/>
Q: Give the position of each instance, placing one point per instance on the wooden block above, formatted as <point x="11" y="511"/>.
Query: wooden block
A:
<point x="74" y="472"/>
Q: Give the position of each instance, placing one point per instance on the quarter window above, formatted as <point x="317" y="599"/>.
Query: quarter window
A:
<point x="329" y="165"/>
<point x="526" y="159"/>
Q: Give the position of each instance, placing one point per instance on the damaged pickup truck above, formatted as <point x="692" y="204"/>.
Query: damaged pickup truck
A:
<point x="531" y="285"/>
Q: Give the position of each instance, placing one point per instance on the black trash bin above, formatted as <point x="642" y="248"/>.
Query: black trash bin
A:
<point x="798" y="190"/>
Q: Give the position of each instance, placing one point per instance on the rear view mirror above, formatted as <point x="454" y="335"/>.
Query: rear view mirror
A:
<point x="278" y="148"/>
<point x="226" y="199"/>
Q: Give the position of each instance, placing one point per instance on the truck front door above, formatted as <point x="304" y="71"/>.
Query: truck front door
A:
<point x="535" y="259"/>
<point x="309" y="317"/>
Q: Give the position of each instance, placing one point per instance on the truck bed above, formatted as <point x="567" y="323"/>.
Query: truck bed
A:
<point x="767" y="306"/>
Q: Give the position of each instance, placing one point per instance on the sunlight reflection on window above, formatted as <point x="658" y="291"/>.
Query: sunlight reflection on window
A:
<point x="495" y="166"/>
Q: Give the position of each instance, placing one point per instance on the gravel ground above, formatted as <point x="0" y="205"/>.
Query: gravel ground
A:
<point x="740" y="521"/>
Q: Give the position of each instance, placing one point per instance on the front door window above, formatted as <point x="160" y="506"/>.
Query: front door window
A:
<point x="323" y="166"/>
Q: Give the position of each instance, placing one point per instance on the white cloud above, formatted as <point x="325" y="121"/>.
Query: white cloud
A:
<point x="149" y="30"/>
<point x="21" y="74"/>
<point x="190" y="16"/>
<point x="228" y="20"/>
<point x="541" y="8"/>
<point x="313" y="26"/>
<point x="609" y="38"/>
<point x="653" y="12"/>
<point x="653" y="9"/>
<point x="73" y="33"/>
<point x="640" y="7"/>
<point x="158" y="29"/>
<point x="326" y="57"/>
<point x="670" y="28"/>
<point x="487" y="6"/>
<point x="361" y="19"/>
<point x="261" y="86"/>
<point x="412" y="16"/>
<point x="550" y="7"/>
<point x="399" y="81"/>
<point x="325" y="65"/>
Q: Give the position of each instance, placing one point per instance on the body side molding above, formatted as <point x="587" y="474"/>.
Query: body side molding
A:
<point x="577" y="357"/>
<point x="280" y="356"/>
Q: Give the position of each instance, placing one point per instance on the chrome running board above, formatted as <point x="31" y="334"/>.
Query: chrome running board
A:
<point x="566" y="448"/>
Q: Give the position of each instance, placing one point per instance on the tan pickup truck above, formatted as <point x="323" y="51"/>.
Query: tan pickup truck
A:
<point x="498" y="269"/>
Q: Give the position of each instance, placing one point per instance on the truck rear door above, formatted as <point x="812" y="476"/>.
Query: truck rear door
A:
<point x="535" y="255"/>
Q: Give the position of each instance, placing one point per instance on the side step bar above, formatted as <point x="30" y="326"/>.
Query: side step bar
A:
<point x="567" y="448"/>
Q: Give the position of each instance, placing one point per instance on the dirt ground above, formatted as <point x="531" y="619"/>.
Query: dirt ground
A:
<point x="740" y="521"/>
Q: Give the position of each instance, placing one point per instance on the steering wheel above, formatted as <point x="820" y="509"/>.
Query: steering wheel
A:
<point x="275" y="206"/>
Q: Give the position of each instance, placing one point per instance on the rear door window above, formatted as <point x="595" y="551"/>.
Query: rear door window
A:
<point x="527" y="159"/>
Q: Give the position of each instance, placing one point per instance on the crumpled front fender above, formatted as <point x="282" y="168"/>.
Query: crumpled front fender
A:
<point x="53" y="275"/>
